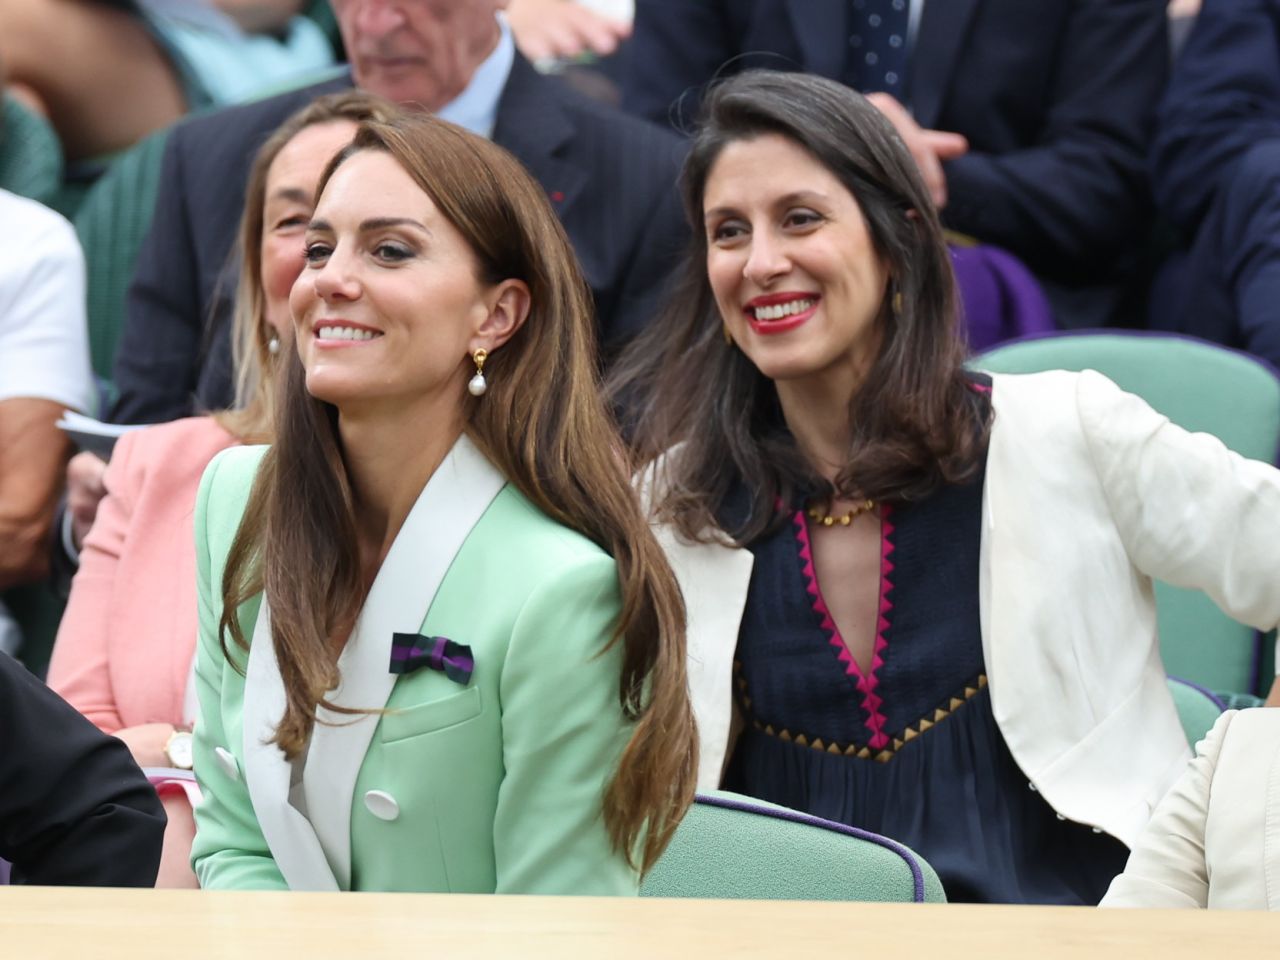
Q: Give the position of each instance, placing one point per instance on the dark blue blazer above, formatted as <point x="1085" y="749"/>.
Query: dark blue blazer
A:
<point x="1223" y="97"/>
<point x="1056" y="97"/>
<point x="610" y="177"/>
<point x="74" y="807"/>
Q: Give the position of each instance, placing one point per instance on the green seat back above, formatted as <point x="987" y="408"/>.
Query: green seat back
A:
<point x="111" y="223"/>
<point x="1198" y="709"/>
<point x="1201" y="387"/>
<point x="37" y="610"/>
<point x="734" y="847"/>
<point x="30" y="154"/>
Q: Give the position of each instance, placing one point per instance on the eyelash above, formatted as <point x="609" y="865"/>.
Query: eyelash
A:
<point x="315" y="252"/>
<point x="732" y="229"/>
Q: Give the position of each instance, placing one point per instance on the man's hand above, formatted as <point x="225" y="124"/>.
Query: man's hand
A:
<point x="84" y="492"/>
<point x="1273" y="698"/>
<point x="551" y="29"/>
<point x="929" y="148"/>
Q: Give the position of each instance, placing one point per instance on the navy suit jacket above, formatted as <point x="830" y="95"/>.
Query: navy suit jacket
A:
<point x="74" y="807"/>
<point x="1223" y="97"/>
<point x="610" y="177"/>
<point x="1056" y="98"/>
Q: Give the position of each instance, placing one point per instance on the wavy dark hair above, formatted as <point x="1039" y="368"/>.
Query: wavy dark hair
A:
<point x="544" y="425"/>
<point x="912" y="418"/>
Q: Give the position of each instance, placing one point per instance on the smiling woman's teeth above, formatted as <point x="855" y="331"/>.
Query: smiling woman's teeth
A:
<point x="344" y="333"/>
<point x="780" y="310"/>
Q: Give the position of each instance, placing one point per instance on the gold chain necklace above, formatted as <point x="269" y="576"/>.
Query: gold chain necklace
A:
<point x="843" y="519"/>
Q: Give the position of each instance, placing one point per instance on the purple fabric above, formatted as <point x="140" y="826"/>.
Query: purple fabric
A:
<point x="795" y="816"/>
<point x="410" y="651"/>
<point x="999" y="297"/>
<point x="4" y="872"/>
<point x="1213" y="697"/>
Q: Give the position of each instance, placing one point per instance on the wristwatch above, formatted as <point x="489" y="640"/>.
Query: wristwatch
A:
<point x="178" y="749"/>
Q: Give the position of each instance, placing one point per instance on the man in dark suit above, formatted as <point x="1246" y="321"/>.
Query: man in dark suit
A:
<point x="610" y="177"/>
<point x="1029" y="120"/>
<point x="1216" y="174"/>
<point x="74" y="807"/>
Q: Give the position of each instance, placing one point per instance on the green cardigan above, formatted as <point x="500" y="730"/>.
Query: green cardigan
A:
<point x="495" y="786"/>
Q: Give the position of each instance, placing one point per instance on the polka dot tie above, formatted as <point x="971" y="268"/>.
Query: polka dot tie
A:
<point x="878" y="46"/>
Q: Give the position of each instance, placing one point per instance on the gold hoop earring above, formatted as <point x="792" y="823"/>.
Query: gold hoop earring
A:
<point x="728" y="337"/>
<point x="478" y="385"/>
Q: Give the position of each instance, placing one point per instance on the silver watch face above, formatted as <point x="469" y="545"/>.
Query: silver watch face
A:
<point x="179" y="750"/>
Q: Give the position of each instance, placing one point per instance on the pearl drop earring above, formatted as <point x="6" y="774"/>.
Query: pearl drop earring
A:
<point x="273" y="346"/>
<point x="478" y="385"/>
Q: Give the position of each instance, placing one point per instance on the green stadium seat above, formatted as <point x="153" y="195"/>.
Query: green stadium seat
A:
<point x="30" y="154"/>
<point x="1204" y="388"/>
<point x="734" y="847"/>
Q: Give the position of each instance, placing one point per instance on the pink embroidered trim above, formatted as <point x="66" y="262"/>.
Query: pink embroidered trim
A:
<point x="866" y="683"/>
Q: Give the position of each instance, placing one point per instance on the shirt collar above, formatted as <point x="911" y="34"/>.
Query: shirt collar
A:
<point x="476" y="107"/>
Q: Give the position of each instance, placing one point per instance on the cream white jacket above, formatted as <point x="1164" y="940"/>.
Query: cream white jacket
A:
<point x="1214" y="841"/>
<point x="1089" y="494"/>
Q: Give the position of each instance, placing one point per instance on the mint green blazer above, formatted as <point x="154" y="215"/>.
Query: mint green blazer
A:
<point x="495" y="786"/>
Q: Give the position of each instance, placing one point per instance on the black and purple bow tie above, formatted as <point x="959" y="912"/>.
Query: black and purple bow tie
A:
<point x="409" y="651"/>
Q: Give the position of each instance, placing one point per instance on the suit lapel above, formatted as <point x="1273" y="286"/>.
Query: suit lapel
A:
<point x="292" y="841"/>
<point x="943" y="33"/>
<point x="533" y="125"/>
<point x="450" y="505"/>
<point x="822" y="30"/>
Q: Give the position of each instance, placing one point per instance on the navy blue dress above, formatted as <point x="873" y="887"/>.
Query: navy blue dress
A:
<point x="910" y="749"/>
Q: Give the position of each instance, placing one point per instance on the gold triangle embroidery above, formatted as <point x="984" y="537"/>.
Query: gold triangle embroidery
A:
<point x="850" y="750"/>
<point x="956" y="702"/>
<point x="982" y="681"/>
<point x="834" y="748"/>
<point x="970" y="692"/>
<point x="939" y="714"/>
<point x="746" y="702"/>
<point x="884" y="756"/>
<point x="864" y="753"/>
<point x="756" y="724"/>
<point x="802" y="740"/>
<point x="818" y="744"/>
<point x="925" y="725"/>
<point x="910" y="735"/>
<point x="897" y="744"/>
<point x="785" y="735"/>
<point x="769" y="730"/>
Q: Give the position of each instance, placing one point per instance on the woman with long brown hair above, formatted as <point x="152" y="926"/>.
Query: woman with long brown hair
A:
<point x="440" y="648"/>
<point x="924" y="594"/>
<point x="124" y="652"/>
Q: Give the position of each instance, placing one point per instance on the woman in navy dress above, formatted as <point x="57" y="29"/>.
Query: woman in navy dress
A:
<point x="919" y="597"/>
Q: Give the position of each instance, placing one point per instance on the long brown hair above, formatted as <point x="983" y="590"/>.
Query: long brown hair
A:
<point x="544" y="426"/>
<point x="913" y="416"/>
<point x="250" y="420"/>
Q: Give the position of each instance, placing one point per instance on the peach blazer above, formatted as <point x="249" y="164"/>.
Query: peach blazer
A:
<point x="124" y="648"/>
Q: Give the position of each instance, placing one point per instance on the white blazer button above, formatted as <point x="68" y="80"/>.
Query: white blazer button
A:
<point x="382" y="804"/>
<point x="227" y="761"/>
<point x="1097" y="829"/>
<point x="1031" y="786"/>
<point x="1060" y="816"/>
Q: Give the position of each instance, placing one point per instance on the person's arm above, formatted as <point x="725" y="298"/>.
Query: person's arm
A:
<point x="676" y="48"/>
<point x="74" y="807"/>
<point x="261" y="16"/>
<point x="229" y="852"/>
<point x="157" y="357"/>
<point x="78" y="670"/>
<point x="32" y="454"/>
<point x="1189" y="511"/>
<point x="550" y="29"/>
<point x="563" y="733"/>
<point x="1078" y="197"/>
<point x="1167" y="868"/>
<point x="1223" y="97"/>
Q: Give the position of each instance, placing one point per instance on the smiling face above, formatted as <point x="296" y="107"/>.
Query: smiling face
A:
<point x="389" y="305"/>
<point x="420" y="52"/>
<point x="287" y="204"/>
<point x="791" y="263"/>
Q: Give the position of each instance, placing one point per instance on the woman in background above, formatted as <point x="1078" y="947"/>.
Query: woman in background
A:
<point x="123" y="656"/>
<point x="923" y="594"/>
<point x="440" y="649"/>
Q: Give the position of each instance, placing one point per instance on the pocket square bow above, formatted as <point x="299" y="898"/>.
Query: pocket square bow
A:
<point x="411" y="651"/>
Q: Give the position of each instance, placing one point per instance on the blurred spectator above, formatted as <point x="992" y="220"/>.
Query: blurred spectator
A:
<point x="74" y="808"/>
<point x="108" y="72"/>
<point x="1216" y="173"/>
<point x="1029" y="121"/>
<point x="44" y="370"/>
<point x="610" y="178"/>
<point x="550" y="30"/>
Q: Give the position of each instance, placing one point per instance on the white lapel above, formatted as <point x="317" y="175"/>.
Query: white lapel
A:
<point x="450" y="505"/>
<point x="454" y="499"/>
<point x="289" y="836"/>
